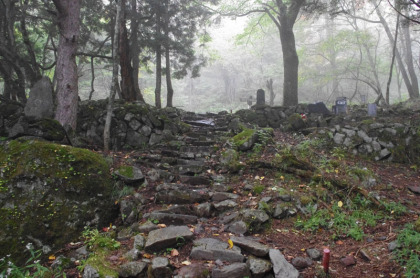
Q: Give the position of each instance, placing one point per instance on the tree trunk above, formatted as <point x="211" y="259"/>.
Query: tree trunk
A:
<point x="92" y="81"/>
<point x="394" y="48"/>
<point x="414" y="94"/>
<point x="290" y="66"/>
<point x="408" y="83"/>
<point x="135" y="50"/>
<point x="114" y="84"/>
<point x="127" y="83"/>
<point x="158" y="89"/>
<point x="269" y="85"/>
<point x="66" y="69"/>
<point x="169" y="88"/>
<point x="286" y="19"/>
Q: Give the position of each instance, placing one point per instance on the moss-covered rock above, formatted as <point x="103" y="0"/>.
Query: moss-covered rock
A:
<point x="295" y="123"/>
<point x="245" y="140"/>
<point x="49" y="193"/>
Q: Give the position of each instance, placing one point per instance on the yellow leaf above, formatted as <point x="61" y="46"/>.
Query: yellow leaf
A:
<point x="186" y="263"/>
<point x="147" y="256"/>
<point x="340" y="204"/>
<point x="174" y="253"/>
<point x="230" y="244"/>
<point x="215" y="234"/>
<point x="51" y="258"/>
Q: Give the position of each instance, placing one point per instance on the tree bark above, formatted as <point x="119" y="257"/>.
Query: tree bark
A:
<point x="114" y="84"/>
<point x="68" y="15"/>
<point x="286" y="20"/>
<point x="127" y="83"/>
<point x="158" y="89"/>
<point x="409" y="60"/>
<point x="169" y="87"/>
<point x="411" y="88"/>
<point x="269" y="85"/>
<point x="394" y="48"/>
<point x="135" y="50"/>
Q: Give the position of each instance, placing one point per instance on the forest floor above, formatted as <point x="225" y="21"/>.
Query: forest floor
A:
<point x="357" y="227"/>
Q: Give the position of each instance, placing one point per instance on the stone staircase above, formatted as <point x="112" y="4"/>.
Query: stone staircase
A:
<point x="196" y="204"/>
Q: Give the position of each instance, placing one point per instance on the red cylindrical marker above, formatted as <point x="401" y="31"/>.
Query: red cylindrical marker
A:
<point x="326" y="260"/>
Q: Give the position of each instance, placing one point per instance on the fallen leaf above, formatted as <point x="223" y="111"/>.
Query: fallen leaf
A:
<point x="230" y="244"/>
<point x="340" y="242"/>
<point x="186" y="263"/>
<point x="215" y="234"/>
<point x="174" y="253"/>
<point x="147" y="256"/>
<point x="51" y="258"/>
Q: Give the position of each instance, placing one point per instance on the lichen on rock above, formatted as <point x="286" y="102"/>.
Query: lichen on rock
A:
<point x="49" y="193"/>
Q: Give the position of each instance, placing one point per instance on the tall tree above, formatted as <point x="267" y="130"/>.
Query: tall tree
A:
<point x="158" y="52"/>
<point x="68" y="17"/>
<point x="119" y="19"/>
<point x="284" y="15"/>
<point x="130" y="90"/>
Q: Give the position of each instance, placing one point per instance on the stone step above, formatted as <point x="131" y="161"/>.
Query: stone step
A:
<point x="181" y="194"/>
<point x="203" y="143"/>
<point x="171" y="218"/>
<point x="195" y="180"/>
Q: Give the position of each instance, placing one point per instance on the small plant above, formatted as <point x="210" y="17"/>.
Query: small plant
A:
<point x="394" y="208"/>
<point x="31" y="269"/>
<point x="180" y="241"/>
<point x="408" y="255"/>
<point x="95" y="239"/>
<point x="258" y="189"/>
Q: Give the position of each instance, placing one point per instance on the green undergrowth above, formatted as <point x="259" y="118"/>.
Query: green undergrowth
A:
<point x="349" y="219"/>
<point x="408" y="253"/>
<point x="101" y="245"/>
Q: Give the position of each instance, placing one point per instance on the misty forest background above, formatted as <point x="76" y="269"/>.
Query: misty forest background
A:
<point x="216" y="53"/>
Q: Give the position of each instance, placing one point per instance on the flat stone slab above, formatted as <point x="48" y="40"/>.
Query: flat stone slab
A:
<point x="252" y="246"/>
<point x="221" y="196"/>
<point x="181" y="194"/>
<point x="132" y="269"/>
<point x="211" y="249"/>
<point x="136" y="175"/>
<point x="282" y="268"/>
<point x="167" y="237"/>
<point x="236" y="270"/>
<point x="172" y="219"/>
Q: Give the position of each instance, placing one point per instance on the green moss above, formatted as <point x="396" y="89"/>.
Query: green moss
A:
<point x="98" y="260"/>
<point x="243" y="137"/>
<point x="305" y="200"/>
<point x="258" y="189"/>
<point x="42" y="159"/>
<point x="126" y="171"/>
<point x="368" y="122"/>
<point x="42" y="187"/>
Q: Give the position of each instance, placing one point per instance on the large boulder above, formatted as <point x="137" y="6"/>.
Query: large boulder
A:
<point x="49" y="193"/>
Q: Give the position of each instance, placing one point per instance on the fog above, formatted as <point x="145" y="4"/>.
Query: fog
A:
<point x="342" y="56"/>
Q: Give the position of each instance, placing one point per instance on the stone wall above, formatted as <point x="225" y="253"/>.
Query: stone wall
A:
<point x="394" y="134"/>
<point x="134" y="125"/>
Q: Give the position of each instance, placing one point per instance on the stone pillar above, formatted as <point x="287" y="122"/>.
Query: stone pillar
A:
<point x="260" y="97"/>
